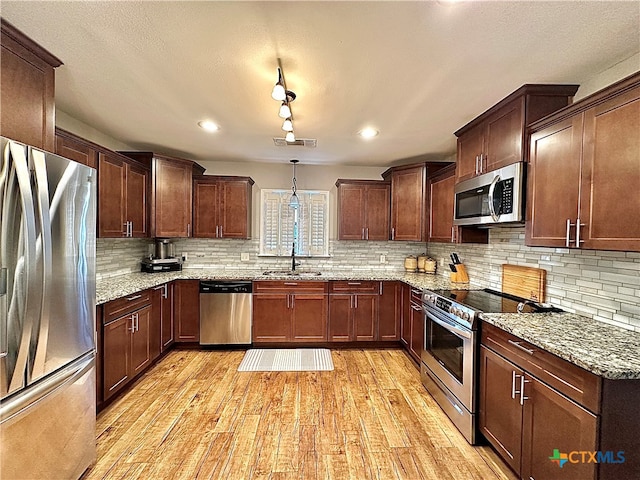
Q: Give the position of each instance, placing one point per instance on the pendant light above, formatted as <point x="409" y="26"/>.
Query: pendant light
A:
<point x="290" y="137"/>
<point x="287" y="125"/>
<point x="294" y="201"/>
<point x="281" y="94"/>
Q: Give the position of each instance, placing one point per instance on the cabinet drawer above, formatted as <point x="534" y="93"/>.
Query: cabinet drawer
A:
<point x="354" y="286"/>
<point x="122" y="306"/>
<point x="573" y="381"/>
<point x="286" y="286"/>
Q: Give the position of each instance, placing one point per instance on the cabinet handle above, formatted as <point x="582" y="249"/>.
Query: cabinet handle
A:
<point x="514" y="392"/>
<point x="293" y="301"/>
<point x="221" y="234"/>
<point x="137" y="322"/>
<point x="135" y="297"/>
<point x="188" y="229"/>
<point x="165" y="294"/>
<point x="355" y="301"/>
<point x="578" y="225"/>
<point x="393" y="233"/>
<point x="133" y="328"/>
<point x="517" y="344"/>
<point x="362" y="233"/>
<point x="367" y="238"/>
<point x="568" y="240"/>
<point x="522" y="382"/>
<point x="291" y="283"/>
<point x="452" y="234"/>
<point x="126" y="229"/>
<point x="217" y="234"/>
<point x="131" y="229"/>
<point x="354" y="283"/>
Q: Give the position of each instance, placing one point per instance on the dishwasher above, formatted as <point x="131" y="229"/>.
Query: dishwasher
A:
<point x="225" y="313"/>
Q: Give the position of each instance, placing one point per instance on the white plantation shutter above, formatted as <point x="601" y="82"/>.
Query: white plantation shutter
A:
<point x="277" y="223"/>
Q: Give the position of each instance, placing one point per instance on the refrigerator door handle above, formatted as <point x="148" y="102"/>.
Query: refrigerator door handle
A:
<point x="26" y="265"/>
<point x="4" y="327"/>
<point x="44" y="250"/>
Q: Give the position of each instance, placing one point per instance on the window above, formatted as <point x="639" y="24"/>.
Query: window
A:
<point x="278" y="220"/>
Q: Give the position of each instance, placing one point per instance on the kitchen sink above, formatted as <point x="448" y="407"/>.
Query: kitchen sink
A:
<point x="289" y="273"/>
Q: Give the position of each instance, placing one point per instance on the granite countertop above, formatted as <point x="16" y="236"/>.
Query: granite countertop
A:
<point x="606" y="350"/>
<point x="111" y="288"/>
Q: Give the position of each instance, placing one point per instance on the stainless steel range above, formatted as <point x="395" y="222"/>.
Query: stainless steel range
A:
<point x="450" y="348"/>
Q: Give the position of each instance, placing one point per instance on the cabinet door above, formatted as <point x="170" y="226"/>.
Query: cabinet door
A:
<point x="407" y="204"/>
<point x="378" y="203"/>
<point x="441" y="212"/>
<point x="205" y="203"/>
<point x="155" y="335"/>
<point x="500" y="416"/>
<point x="76" y="150"/>
<point x="271" y="317"/>
<point x="116" y="358"/>
<point x="309" y="319"/>
<point x="504" y="136"/>
<point x="141" y="341"/>
<point x="552" y="421"/>
<point x="351" y="212"/>
<point x="137" y="206"/>
<point x="187" y="310"/>
<point x="610" y="198"/>
<point x="389" y="312"/>
<point x="340" y="321"/>
<point x="470" y="146"/>
<point x="417" y="332"/>
<point x="28" y="87"/>
<point x="167" y="325"/>
<point x="111" y="196"/>
<point x="172" y="199"/>
<point x="405" y="332"/>
<point x="553" y="184"/>
<point x="365" y="317"/>
<point x="235" y="208"/>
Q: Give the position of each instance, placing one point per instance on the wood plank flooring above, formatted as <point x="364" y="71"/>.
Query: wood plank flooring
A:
<point x="194" y="416"/>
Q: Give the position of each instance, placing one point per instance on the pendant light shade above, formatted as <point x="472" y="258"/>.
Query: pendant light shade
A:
<point x="285" y="111"/>
<point x="290" y="137"/>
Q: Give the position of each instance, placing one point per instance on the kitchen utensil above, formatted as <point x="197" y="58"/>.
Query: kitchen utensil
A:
<point x="456" y="258"/>
<point x="453" y="268"/>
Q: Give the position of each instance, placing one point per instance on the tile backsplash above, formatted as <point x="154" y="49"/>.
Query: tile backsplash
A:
<point x="602" y="285"/>
<point x="598" y="284"/>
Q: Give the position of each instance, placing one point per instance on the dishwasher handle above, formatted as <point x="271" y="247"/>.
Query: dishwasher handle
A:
<point x="225" y="287"/>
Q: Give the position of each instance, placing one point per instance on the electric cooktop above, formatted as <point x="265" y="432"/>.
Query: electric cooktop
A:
<point x="492" y="301"/>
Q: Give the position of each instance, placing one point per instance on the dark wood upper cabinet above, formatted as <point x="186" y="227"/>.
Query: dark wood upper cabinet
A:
<point x="441" y="211"/>
<point x="75" y="148"/>
<point x="222" y="206"/>
<point x="27" y="92"/>
<point x="171" y="193"/>
<point x="584" y="166"/>
<point x="363" y="209"/>
<point x="498" y="137"/>
<point x="123" y="192"/>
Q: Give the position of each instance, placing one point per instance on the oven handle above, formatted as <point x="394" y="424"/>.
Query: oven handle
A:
<point x="449" y="326"/>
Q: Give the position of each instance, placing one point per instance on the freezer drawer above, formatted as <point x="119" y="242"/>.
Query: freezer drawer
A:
<point x="49" y="430"/>
<point x="225" y="313"/>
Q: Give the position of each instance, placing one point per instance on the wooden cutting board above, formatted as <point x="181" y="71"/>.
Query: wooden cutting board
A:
<point x="527" y="282"/>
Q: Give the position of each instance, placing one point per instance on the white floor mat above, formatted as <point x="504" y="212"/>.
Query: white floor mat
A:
<point x="286" y="360"/>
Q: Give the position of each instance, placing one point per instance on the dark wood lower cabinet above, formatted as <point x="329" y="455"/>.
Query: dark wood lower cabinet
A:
<point x="353" y="317"/>
<point x="271" y="317"/>
<point x="534" y="406"/>
<point x="126" y="349"/>
<point x="412" y="323"/>
<point x="186" y="311"/>
<point x="389" y="312"/>
<point x="162" y="333"/>
<point x="308" y="317"/>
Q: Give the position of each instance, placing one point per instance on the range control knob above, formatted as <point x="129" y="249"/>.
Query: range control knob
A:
<point x="452" y="310"/>
<point x="465" y="315"/>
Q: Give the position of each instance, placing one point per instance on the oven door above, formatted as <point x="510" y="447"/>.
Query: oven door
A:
<point x="449" y="352"/>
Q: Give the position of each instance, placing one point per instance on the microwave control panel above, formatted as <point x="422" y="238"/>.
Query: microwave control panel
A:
<point x="506" y="202"/>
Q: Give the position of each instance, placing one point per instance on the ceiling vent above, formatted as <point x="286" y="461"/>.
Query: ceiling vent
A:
<point x="299" y="142"/>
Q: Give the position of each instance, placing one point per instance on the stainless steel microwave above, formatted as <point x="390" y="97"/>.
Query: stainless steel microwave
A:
<point x="493" y="198"/>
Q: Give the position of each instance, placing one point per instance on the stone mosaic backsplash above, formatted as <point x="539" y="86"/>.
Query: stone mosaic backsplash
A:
<point x="597" y="284"/>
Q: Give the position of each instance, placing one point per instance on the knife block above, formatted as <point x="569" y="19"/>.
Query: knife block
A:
<point x="461" y="275"/>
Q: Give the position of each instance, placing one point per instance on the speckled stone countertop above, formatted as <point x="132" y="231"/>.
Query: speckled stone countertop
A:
<point x="108" y="289"/>
<point x="608" y="351"/>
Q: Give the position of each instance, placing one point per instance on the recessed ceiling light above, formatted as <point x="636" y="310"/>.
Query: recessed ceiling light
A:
<point x="209" y="126"/>
<point x="368" y="132"/>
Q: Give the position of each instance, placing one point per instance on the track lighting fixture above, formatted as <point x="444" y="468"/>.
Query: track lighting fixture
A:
<point x="281" y="94"/>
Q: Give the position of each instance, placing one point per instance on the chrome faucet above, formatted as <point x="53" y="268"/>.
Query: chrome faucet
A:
<point x="294" y="264"/>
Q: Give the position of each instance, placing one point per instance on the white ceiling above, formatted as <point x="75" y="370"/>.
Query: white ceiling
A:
<point x="145" y="73"/>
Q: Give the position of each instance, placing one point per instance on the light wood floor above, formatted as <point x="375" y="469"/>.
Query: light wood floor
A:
<point x="194" y="416"/>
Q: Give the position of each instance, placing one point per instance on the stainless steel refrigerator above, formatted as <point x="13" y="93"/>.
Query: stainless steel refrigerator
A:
<point x="47" y="314"/>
